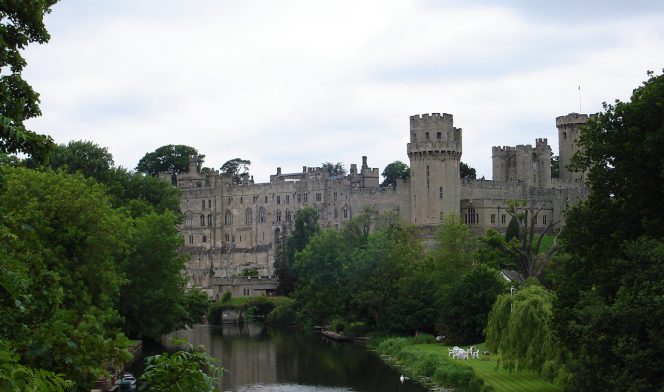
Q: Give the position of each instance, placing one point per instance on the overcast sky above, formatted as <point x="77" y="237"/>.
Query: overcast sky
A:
<point x="295" y="83"/>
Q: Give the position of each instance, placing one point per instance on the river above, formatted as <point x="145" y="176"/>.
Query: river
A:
<point x="258" y="359"/>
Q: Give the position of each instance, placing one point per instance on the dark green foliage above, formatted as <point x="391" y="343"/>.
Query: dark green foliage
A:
<point x="172" y="159"/>
<point x="21" y="23"/>
<point x="83" y="157"/>
<point x="512" y="230"/>
<point x="196" y="304"/>
<point x="555" y="166"/>
<point x="466" y="172"/>
<point x="283" y="315"/>
<point x="305" y="227"/>
<point x="260" y="306"/>
<point x="394" y="171"/>
<point x="334" y="169"/>
<point x="190" y="370"/>
<point x="607" y="315"/>
<point x="467" y="304"/>
<point x="238" y="169"/>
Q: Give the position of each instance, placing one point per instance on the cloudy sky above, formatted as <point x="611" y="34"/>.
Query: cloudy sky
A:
<point x="298" y="82"/>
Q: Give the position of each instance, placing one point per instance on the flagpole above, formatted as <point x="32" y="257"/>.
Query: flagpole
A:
<point x="579" y="98"/>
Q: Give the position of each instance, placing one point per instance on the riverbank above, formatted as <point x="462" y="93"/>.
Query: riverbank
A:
<point x="430" y="363"/>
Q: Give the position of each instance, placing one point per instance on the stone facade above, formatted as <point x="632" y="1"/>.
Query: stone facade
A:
<point x="229" y="228"/>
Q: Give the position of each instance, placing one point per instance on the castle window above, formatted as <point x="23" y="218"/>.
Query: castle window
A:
<point x="191" y="239"/>
<point x="306" y="197"/>
<point x="288" y="215"/>
<point x="209" y="203"/>
<point x="229" y="200"/>
<point x="427" y="170"/>
<point x="318" y="196"/>
<point x="470" y="217"/>
<point x="266" y="199"/>
<point x="278" y="199"/>
<point x="278" y="215"/>
<point x="441" y="192"/>
<point x="202" y="204"/>
<point x="255" y="199"/>
<point x="502" y="219"/>
<point x="209" y="219"/>
<point x="299" y="198"/>
<point x="287" y="199"/>
<point x="345" y="211"/>
<point x="202" y="220"/>
<point x="544" y="220"/>
<point x="261" y="215"/>
<point x="204" y="239"/>
<point x="248" y="216"/>
<point x="228" y="217"/>
<point x="335" y="195"/>
<point x="188" y="218"/>
<point x="228" y="237"/>
<point x="439" y="135"/>
<point x="493" y="218"/>
<point x="427" y="183"/>
<point x="426" y="135"/>
<point x="241" y="199"/>
<point x="336" y="213"/>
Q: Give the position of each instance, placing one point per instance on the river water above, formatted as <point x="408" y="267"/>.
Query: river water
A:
<point x="258" y="359"/>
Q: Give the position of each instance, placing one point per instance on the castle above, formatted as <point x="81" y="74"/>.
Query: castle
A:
<point x="229" y="228"/>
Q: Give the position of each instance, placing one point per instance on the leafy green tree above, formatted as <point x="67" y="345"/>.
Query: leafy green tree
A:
<point x="455" y="249"/>
<point x="83" y="157"/>
<point x="467" y="304"/>
<point x="394" y="171"/>
<point x="612" y="278"/>
<point x="520" y="330"/>
<point x="16" y="377"/>
<point x="334" y="169"/>
<point x="238" y="169"/>
<point x="20" y="25"/>
<point x="171" y="158"/>
<point x="305" y="227"/>
<point x="67" y="245"/>
<point x="356" y="231"/>
<point x="196" y="304"/>
<point x="512" y="230"/>
<point x="186" y="370"/>
<point x="153" y="302"/>
<point x="466" y="172"/>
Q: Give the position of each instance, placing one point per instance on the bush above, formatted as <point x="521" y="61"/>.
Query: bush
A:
<point x="283" y="314"/>
<point x="357" y="328"/>
<point x="424" y="338"/>
<point x="260" y="306"/>
<point x="338" y="325"/>
<point x="226" y="297"/>
<point x="215" y="312"/>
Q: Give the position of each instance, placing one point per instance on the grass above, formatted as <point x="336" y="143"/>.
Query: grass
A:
<point x="500" y="379"/>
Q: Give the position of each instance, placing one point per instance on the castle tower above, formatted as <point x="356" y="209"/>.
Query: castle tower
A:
<point x="543" y="163"/>
<point x="434" y="152"/>
<point x="568" y="136"/>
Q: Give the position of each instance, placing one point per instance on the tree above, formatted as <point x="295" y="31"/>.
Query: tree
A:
<point x="614" y="239"/>
<point x="334" y="169"/>
<point x="83" y="157"/>
<point x="20" y="25"/>
<point x="466" y="172"/>
<point x="455" y="249"/>
<point x="172" y="159"/>
<point x="153" y="301"/>
<point x="238" y="169"/>
<point x="305" y="227"/>
<point x="464" y="314"/>
<point x="520" y="330"/>
<point x="394" y="171"/>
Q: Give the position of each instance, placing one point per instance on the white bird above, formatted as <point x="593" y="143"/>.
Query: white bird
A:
<point x="403" y="378"/>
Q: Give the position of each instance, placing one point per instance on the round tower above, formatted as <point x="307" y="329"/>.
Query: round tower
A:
<point x="568" y="136"/>
<point x="434" y="152"/>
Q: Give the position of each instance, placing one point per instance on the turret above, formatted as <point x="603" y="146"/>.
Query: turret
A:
<point x="434" y="152"/>
<point x="568" y="136"/>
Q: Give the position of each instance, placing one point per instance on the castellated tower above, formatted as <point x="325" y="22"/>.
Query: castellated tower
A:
<point x="434" y="152"/>
<point x="568" y="136"/>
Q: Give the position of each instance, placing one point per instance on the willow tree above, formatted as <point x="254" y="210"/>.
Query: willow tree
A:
<point x="520" y="330"/>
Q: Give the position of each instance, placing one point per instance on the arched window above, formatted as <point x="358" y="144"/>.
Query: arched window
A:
<point x="202" y="220"/>
<point x="345" y="212"/>
<point x="261" y="215"/>
<point x="248" y="218"/>
<point x="441" y="192"/>
<point x="470" y="217"/>
<point x="288" y="215"/>
<point x="188" y="219"/>
<point x="209" y="219"/>
<point x="228" y="217"/>
<point x="278" y="215"/>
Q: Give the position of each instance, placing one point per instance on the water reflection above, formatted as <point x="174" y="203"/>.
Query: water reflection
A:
<point x="256" y="359"/>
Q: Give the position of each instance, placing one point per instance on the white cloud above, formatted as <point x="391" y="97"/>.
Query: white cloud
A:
<point x="296" y="83"/>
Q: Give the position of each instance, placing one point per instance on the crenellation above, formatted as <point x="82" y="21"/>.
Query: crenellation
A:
<point x="232" y="227"/>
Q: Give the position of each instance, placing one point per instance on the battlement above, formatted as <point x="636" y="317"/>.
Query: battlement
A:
<point x="426" y="117"/>
<point x="524" y="148"/>
<point x="571" y="119"/>
<point x="504" y="149"/>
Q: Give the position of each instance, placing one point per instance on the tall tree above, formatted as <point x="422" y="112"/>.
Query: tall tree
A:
<point x="172" y="159"/>
<point x="394" y="171"/>
<point x="608" y="315"/>
<point x="238" y="169"/>
<point x="466" y="172"/>
<point x="21" y="23"/>
<point x="83" y="157"/>
<point x="334" y="169"/>
<point x="305" y="227"/>
<point x="555" y="166"/>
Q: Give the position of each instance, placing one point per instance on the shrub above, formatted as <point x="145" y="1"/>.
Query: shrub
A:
<point x="424" y="338"/>
<point x="226" y="297"/>
<point x="338" y="325"/>
<point x="357" y="328"/>
<point x="260" y="306"/>
<point x="283" y="314"/>
<point x="215" y="312"/>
